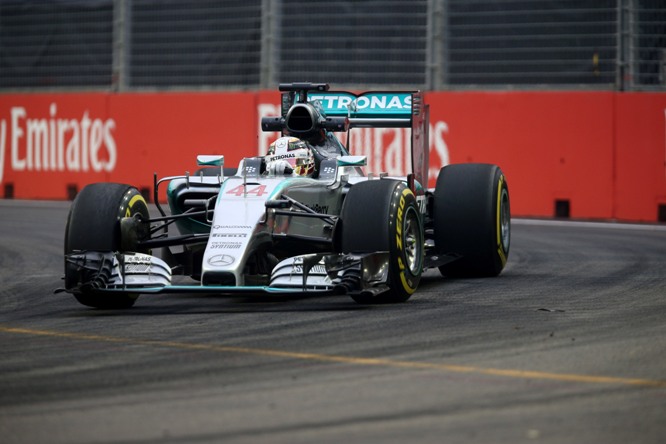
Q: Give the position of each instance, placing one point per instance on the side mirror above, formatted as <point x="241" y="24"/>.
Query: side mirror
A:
<point x="210" y="160"/>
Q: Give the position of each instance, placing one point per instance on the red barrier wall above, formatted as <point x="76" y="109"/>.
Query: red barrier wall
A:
<point x="552" y="146"/>
<point x="640" y="156"/>
<point x="603" y="153"/>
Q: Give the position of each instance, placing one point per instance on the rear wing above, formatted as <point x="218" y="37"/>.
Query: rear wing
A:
<point x="372" y="109"/>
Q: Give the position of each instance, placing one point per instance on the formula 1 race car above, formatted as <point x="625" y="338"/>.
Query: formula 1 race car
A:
<point x="263" y="230"/>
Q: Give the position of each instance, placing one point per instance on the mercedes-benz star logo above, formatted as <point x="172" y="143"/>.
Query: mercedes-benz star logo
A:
<point x="221" y="260"/>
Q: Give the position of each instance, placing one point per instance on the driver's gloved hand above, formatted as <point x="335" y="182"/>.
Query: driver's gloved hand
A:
<point x="279" y="168"/>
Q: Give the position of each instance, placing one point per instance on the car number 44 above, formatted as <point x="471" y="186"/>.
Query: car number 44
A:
<point x="242" y="190"/>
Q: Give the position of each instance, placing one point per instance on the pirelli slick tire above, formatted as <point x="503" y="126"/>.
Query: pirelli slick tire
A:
<point x="93" y="224"/>
<point x="382" y="215"/>
<point x="472" y="219"/>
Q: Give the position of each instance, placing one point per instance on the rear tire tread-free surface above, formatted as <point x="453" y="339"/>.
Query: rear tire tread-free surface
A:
<point x="472" y="219"/>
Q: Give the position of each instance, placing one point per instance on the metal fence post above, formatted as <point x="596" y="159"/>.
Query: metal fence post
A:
<point x="436" y="67"/>
<point x="270" y="43"/>
<point x="619" y="43"/>
<point x="632" y="71"/>
<point x="121" y="45"/>
<point x="626" y="46"/>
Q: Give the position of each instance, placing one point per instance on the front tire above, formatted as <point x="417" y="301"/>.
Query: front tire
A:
<point x="472" y="219"/>
<point x="382" y="215"/>
<point x="93" y="224"/>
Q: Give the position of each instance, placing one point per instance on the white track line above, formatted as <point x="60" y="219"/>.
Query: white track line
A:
<point x="583" y="224"/>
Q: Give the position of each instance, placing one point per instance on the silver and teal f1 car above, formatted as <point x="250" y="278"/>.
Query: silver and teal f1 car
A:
<point x="341" y="231"/>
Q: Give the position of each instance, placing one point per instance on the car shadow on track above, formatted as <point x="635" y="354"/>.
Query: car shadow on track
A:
<point x="195" y="304"/>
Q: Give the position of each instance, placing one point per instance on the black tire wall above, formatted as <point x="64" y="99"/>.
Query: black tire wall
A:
<point x="93" y="224"/>
<point x="382" y="215"/>
<point x="472" y="219"/>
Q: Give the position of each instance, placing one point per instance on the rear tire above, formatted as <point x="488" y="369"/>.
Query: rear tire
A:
<point x="472" y="219"/>
<point x="93" y="224"/>
<point x="382" y="215"/>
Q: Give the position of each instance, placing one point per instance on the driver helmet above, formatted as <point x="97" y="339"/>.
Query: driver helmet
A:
<point x="293" y="151"/>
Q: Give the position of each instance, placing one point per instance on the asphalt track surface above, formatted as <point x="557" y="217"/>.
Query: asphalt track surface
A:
<point x="568" y="345"/>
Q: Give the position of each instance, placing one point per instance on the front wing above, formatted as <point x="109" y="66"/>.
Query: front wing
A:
<point x="317" y="274"/>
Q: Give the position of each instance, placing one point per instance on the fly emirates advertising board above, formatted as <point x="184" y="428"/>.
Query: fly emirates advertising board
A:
<point x="602" y="152"/>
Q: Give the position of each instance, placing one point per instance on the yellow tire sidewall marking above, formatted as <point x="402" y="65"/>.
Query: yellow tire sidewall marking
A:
<point x="500" y="247"/>
<point x="136" y="198"/>
<point x="406" y="285"/>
